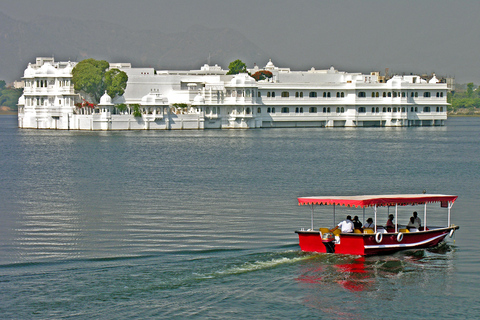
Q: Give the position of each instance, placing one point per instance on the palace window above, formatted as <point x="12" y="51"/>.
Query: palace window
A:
<point x="259" y="110"/>
<point x="273" y="110"/>
<point x="426" y="94"/>
<point x="426" y="109"/>
<point x="403" y="94"/>
<point x="297" y="110"/>
<point x="362" y="110"/>
<point x="373" y="109"/>
<point x="389" y="94"/>
<point x="384" y="109"/>
<point x="324" y="109"/>
<point x="268" y="94"/>
<point x="285" y="110"/>
<point x="312" y="94"/>
<point x="273" y="94"/>
<point x="285" y="94"/>
<point x="328" y="110"/>
<point x="362" y="94"/>
<point x="296" y="94"/>
<point x="384" y="94"/>
<point x="312" y="110"/>
<point x="268" y="110"/>
<point x="301" y="109"/>
<point x="259" y="94"/>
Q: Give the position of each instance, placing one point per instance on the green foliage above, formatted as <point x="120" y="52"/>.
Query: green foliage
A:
<point x="180" y="105"/>
<point x="121" y="107"/>
<point x="116" y="82"/>
<point x="136" y="110"/>
<point x="237" y="67"/>
<point x="262" y="75"/>
<point x="91" y="78"/>
<point x="9" y="96"/>
<point x="469" y="98"/>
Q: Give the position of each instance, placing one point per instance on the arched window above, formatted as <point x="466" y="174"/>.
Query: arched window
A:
<point x="273" y="110"/>
<point x="259" y="110"/>
<point x="328" y="95"/>
<point x="301" y="109"/>
<point x="377" y="94"/>
<point x="312" y="110"/>
<point x="297" y="110"/>
<point x="362" y="110"/>
<point x="377" y="110"/>
<point x="426" y="109"/>
<point x="338" y="110"/>
<point x="416" y="109"/>
<point x="403" y="94"/>
<point x="248" y="111"/>
<point x="416" y="94"/>
<point x="394" y="109"/>
<point x="373" y="109"/>
<point x="259" y="94"/>
<point x="394" y="94"/>
<point x="389" y="94"/>
<point x="285" y="110"/>
<point x="384" y="109"/>
<point x="389" y="109"/>
<point x="268" y="110"/>
<point x="301" y="94"/>
<point x="373" y="94"/>
<point x="426" y="94"/>
<point x="296" y="94"/>
<point x="328" y="110"/>
<point x="285" y="94"/>
<point x="384" y="94"/>
<point x="312" y="94"/>
<point x="342" y="110"/>
<point x="273" y="94"/>
<point x="342" y="95"/>
<point x="268" y="94"/>
<point x="362" y="94"/>
<point x="324" y="109"/>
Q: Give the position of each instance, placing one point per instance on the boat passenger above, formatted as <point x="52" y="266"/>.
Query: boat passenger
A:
<point x="417" y="219"/>
<point x="345" y="226"/>
<point x="412" y="224"/>
<point x="390" y="224"/>
<point x="356" y="223"/>
<point x="369" y="224"/>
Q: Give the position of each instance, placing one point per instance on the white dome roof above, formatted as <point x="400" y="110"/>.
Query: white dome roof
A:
<point x="434" y="79"/>
<point x="29" y="72"/>
<point x="199" y="99"/>
<point x="47" y="69"/>
<point x="154" y="99"/>
<point x="68" y="69"/>
<point x="270" y="65"/>
<point x="242" y="80"/>
<point x="105" y="100"/>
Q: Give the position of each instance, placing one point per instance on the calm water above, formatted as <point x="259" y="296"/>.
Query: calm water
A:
<point x="200" y="224"/>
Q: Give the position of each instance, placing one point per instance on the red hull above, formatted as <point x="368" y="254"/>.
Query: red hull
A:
<point x="366" y="244"/>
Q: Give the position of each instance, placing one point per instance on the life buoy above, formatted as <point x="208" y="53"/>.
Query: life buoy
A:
<point x="451" y="233"/>
<point x="400" y="237"/>
<point x="379" y="237"/>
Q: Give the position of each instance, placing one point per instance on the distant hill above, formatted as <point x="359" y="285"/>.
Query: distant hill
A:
<point x="75" y="40"/>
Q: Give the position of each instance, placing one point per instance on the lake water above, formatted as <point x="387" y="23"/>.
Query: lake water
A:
<point x="200" y="224"/>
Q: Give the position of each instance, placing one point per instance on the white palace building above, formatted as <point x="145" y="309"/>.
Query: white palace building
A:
<point x="209" y="98"/>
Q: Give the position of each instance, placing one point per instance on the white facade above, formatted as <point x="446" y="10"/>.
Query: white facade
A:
<point x="209" y="98"/>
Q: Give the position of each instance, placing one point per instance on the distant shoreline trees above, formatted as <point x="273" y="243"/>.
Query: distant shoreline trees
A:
<point x="468" y="98"/>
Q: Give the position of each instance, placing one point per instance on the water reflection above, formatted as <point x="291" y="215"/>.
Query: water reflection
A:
<point x="325" y="278"/>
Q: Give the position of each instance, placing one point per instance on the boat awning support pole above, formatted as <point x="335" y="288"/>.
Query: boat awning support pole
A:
<point x="334" y="224"/>
<point x="449" y="208"/>
<point x="375" y="215"/>
<point x="363" y="214"/>
<point x="396" y="216"/>
<point x="312" y="217"/>
<point x="425" y="217"/>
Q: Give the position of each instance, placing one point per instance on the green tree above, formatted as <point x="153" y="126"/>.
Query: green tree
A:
<point x="116" y="82"/>
<point x="91" y="78"/>
<point x="237" y="67"/>
<point x="470" y="89"/>
<point x="2" y="84"/>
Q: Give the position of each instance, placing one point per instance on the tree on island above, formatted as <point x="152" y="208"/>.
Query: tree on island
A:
<point x="237" y="67"/>
<point x="91" y="78"/>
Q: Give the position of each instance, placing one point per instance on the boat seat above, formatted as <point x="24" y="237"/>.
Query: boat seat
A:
<point x="368" y="230"/>
<point x="357" y="231"/>
<point x="324" y="230"/>
<point x="403" y="230"/>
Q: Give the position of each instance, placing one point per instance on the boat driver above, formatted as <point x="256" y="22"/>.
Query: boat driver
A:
<point x="346" y="226"/>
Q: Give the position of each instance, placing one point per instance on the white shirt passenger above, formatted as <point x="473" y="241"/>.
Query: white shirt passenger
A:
<point x="346" y="226"/>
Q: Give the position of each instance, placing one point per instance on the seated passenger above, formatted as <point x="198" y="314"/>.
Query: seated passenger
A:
<point x="369" y="224"/>
<point x="418" y="222"/>
<point x="412" y="224"/>
<point x="345" y="226"/>
<point x="356" y="223"/>
<point x="390" y="224"/>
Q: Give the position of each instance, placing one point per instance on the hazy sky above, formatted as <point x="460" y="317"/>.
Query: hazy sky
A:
<point x="405" y="36"/>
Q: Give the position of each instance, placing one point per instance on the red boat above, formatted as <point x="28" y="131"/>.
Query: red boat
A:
<point x="376" y="240"/>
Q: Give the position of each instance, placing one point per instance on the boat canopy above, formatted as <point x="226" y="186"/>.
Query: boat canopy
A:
<point x="378" y="200"/>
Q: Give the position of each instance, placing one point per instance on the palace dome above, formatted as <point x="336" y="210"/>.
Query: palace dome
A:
<point x="29" y="72"/>
<point x="105" y="100"/>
